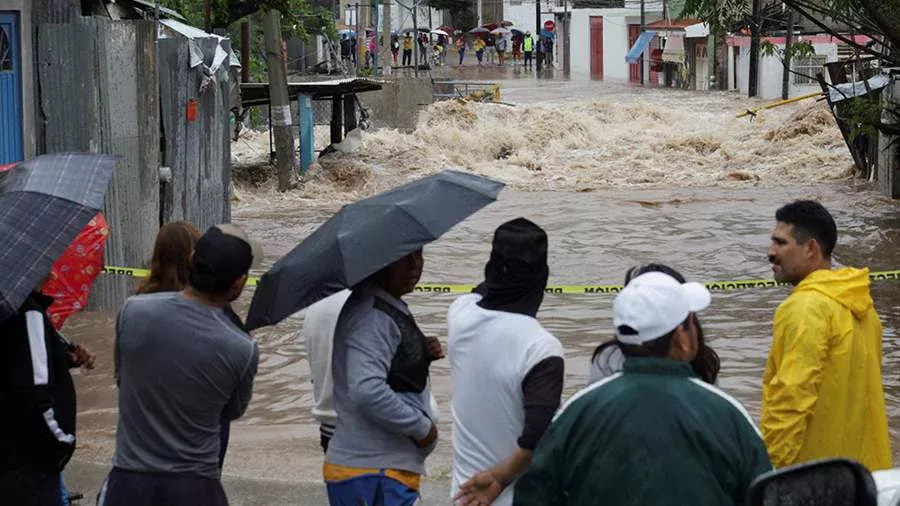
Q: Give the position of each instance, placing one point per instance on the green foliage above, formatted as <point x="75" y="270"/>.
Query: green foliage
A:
<point x="465" y="20"/>
<point x="799" y="50"/>
<point x="299" y="19"/>
<point x="461" y="13"/>
<point x="863" y="114"/>
<point x="721" y="15"/>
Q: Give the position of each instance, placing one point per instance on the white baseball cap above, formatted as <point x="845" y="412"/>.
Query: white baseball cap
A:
<point x="654" y="304"/>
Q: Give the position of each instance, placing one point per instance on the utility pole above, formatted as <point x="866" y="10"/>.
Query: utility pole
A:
<point x="415" y="10"/>
<point x="375" y="30"/>
<point x="280" y="101"/>
<point x="245" y="50"/>
<point x="386" y="51"/>
<point x="643" y="28"/>
<point x="208" y="15"/>
<point x="565" y="38"/>
<point x="537" y="32"/>
<point x="788" y="42"/>
<point x="360" y="40"/>
<point x="753" y="75"/>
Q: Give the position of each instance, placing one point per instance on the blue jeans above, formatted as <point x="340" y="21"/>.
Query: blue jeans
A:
<point x="370" y="490"/>
<point x="64" y="491"/>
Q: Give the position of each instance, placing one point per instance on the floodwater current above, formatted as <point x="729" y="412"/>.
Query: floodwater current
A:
<point x="617" y="176"/>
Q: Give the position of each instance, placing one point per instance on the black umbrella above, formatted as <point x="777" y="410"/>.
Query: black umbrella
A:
<point x="44" y="203"/>
<point x="365" y="236"/>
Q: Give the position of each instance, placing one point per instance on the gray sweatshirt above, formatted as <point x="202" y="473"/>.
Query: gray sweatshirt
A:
<point x="376" y="426"/>
<point x="181" y="368"/>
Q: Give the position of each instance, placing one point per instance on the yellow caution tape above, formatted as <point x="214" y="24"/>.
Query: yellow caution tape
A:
<point x="742" y="284"/>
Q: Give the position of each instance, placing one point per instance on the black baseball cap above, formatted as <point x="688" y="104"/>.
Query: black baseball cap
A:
<point x="221" y="256"/>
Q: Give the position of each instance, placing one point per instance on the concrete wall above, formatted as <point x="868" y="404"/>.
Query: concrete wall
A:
<point x="615" y="40"/>
<point x="398" y="104"/>
<point x="23" y="7"/>
<point x="771" y="70"/>
<point x="888" y="171"/>
<point x="521" y="13"/>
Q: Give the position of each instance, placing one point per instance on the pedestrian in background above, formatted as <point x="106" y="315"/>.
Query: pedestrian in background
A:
<point x="528" y="49"/>
<point x="461" y="49"/>
<point x="479" y="49"/>
<point x="502" y="44"/>
<point x="490" y="48"/>
<point x="407" y="50"/>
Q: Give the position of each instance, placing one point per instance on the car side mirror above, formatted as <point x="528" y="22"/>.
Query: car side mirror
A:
<point x="828" y="482"/>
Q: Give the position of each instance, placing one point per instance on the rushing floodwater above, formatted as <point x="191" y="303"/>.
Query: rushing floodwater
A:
<point x="603" y="214"/>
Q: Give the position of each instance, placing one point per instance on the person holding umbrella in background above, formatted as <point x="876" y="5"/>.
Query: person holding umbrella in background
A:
<point x="44" y="203"/>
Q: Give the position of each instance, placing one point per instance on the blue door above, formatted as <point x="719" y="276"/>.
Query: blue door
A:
<point x="10" y="89"/>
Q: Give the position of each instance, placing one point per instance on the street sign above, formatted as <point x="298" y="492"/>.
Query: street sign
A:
<point x="549" y="25"/>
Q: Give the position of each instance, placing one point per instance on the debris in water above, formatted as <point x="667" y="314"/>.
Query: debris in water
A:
<point x="699" y="145"/>
<point x="739" y="175"/>
<point x="810" y="121"/>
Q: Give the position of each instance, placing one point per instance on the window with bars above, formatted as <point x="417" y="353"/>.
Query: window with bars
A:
<point x="807" y="68"/>
<point x="5" y="52"/>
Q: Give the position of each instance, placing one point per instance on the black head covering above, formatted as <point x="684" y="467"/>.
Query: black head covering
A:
<point x="516" y="274"/>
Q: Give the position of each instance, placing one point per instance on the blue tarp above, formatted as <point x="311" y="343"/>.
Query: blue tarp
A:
<point x="634" y="54"/>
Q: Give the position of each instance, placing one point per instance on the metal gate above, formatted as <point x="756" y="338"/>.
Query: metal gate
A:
<point x="10" y="89"/>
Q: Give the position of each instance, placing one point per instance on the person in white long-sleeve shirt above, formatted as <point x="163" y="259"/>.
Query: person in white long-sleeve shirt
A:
<point x="318" y="334"/>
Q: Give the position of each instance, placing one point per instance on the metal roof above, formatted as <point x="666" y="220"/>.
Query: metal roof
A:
<point x="258" y="93"/>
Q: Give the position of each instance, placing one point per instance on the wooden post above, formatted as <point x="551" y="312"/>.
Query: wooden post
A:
<point x="788" y="41"/>
<point x="337" y="119"/>
<point x="245" y="51"/>
<point x="753" y="84"/>
<point x="643" y="28"/>
<point x="349" y="112"/>
<point x="281" y="104"/>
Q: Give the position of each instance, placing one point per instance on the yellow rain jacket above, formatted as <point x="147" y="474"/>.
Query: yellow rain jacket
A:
<point x="822" y="390"/>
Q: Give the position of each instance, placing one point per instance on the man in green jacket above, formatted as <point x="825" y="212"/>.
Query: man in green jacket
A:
<point x="654" y="433"/>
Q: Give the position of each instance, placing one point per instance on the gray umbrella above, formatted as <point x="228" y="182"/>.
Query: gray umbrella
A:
<point x="364" y="237"/>
<point x="44" y="203"/>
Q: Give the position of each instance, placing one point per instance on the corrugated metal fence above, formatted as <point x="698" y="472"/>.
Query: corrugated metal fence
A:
<point x="197" y="150"/>
<point x="99" y="91"/>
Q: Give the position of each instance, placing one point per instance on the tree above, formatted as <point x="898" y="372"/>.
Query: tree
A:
<point x="879" y="19"/>
<point x="461" y="12"/>
<point x="721" y="15"/>
<point x="300" y="18"/>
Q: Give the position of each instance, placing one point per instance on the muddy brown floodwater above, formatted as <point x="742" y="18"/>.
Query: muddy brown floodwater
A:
<point x="617" y="176"/>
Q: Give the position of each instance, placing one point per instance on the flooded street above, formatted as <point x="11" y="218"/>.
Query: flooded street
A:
<point x="617" y="176"/>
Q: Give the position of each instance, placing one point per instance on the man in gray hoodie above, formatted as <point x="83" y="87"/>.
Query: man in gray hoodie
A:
<point x="385" y="427"/>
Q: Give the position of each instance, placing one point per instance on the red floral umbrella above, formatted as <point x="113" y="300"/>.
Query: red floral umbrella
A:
<point x="4" y="168"/>
<point x="490" y="26"/>
<point x="75" y="271"/>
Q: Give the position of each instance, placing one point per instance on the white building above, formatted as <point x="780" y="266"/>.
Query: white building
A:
<point x="522" y="13"/>
<point x="771" y="68"/>
<point x="600" y="39"/>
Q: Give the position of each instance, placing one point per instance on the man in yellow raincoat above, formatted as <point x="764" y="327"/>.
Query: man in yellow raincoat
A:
<point x="822" y="390"/>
